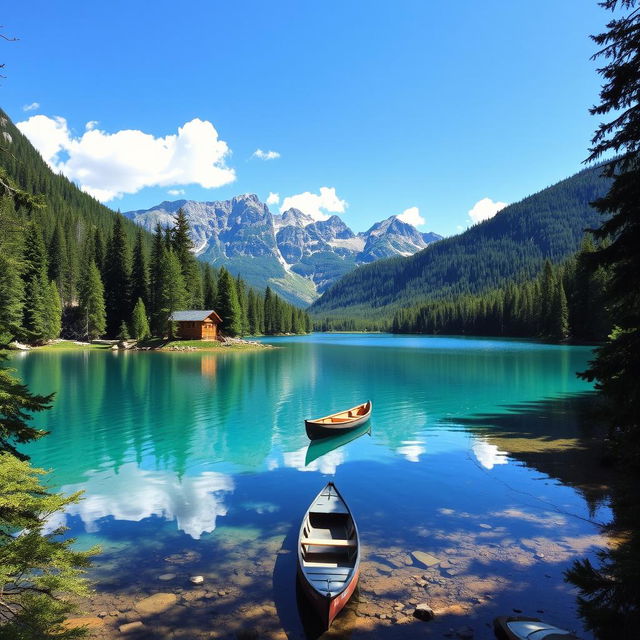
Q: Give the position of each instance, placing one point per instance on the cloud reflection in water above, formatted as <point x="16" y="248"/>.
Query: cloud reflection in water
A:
<point x="134" y="494"/>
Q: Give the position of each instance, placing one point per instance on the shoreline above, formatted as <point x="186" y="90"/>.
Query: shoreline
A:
<point x="173" y="346"/>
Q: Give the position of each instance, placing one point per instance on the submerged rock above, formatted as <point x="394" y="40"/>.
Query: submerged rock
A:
<point x="425" y="558"/>
<point x="156" y="603"/>
<point x="196" y="579"/>
<point x="90" y="622"/>
<point x="424" y="612"/>
<point x="131" y="627"/>
<point x="167" y="576"/>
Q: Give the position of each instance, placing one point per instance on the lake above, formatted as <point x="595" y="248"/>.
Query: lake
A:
<point x="198" y="464"/>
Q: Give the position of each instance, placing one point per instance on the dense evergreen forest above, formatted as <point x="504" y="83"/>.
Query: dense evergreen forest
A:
<point x="564" y="301"/>
<point x="513" y="245"/>
<point x="70" y="266"/>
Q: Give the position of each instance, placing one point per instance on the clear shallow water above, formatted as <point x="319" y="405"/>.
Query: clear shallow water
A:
<point x="476" y="455"/>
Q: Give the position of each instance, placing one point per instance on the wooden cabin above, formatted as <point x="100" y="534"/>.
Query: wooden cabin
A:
<point x="196" y="324"/>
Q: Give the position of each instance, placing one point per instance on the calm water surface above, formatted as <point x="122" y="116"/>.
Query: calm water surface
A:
<point x="198" y="463"/>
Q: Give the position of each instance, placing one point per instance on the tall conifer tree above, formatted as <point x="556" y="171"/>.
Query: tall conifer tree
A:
<point x="117" y="280"/>
<point x="210" y="288"/>
<point x="139" y="272"/>
<point x="94" y="317"/>
<point x="228" y="307"/>
<point x="173" y="292"/>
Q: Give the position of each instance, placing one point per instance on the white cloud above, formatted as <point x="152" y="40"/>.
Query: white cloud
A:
<point x="176" y="192"/>
<point x="31" y="107"/>
<point x="411" y="216"/>
<point x="265" y="155"/>
<point x="317" y="206"/>
<point x="273" y="198"/>
<point x="485" y="209"/>
<point x="92" y="124"/>
<point x="108" y="165"/>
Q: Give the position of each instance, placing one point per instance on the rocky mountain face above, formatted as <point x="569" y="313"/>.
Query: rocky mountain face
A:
<point x="293" y="253"/>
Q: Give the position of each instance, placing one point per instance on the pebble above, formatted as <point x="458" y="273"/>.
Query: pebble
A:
<point x="539" y="555"/>
<point x="103" y="614"/>
<point x="196" y="579"/>
<point x="167" y="576"/>
<point x="222" y="593"/>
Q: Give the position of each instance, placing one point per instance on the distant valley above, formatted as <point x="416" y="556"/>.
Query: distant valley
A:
<point x="296" y="255"/>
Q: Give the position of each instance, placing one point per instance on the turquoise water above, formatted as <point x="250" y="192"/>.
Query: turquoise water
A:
<point x="206" y="452"/>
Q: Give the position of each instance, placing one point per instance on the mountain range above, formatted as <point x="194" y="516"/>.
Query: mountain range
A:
<point x="298" y="256"/>
<point x="513" y="245"/>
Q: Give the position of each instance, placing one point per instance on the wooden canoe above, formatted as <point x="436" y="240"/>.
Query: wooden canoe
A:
<point x="328" y="554"/>
<point x="338" y="422"/>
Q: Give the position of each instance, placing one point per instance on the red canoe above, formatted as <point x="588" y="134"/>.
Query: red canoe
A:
<point x="328" y="553"/>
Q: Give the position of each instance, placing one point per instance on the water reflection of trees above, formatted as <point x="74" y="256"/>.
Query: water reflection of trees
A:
<point x="562" y="437"/>
<point x="557" y="436"/>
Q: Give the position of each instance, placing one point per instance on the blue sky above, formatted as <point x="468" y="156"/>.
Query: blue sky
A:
<point x="388" y="106"/>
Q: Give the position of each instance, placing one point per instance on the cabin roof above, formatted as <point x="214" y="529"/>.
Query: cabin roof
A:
<point x="193" y="315"/>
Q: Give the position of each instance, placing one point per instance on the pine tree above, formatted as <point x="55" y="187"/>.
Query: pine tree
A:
<point x="38" y="571"/>
<point x="139" y="323"/>
<point x="58" y="260"/>
<point x="269" y="311"/>
<point x="243" y="303"/>
<point x="228" y="307"/>
<point x="99" y="251"/>
<point x="173" y="292"/>
<point x="547" y="291"/>
<point x="123" y="331"/>
<point x="117" y="279"/>
<point x="183" y="246"/>
<point x="210" y="288"/>
<point x="181" y="239"/>
<point x="155" y="279"/>
<point x="139" y="271"/>
<point x="92" y="303"/>
<point x="11" y="298"/>
<point x="559" y="328"/>
<point x="616" y="368"/>
<point x="71" y="277"/>
<point x="36" y="287"/>
<point x="252" y="313"/>
<point x="53" y="312"/>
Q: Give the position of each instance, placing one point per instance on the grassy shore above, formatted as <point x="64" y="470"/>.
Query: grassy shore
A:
<point x="71" y="345"/>
<point x="156" y="344"/>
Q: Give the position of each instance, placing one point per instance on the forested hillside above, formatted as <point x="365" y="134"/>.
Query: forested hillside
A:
<point x="70" y="266"/>
<point x="564" y="301"/>
<point x="513" y="245"/>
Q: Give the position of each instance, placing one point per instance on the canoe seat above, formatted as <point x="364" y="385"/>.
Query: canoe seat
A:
<point x="312" y="569"/>
<point x="328" y="542"/>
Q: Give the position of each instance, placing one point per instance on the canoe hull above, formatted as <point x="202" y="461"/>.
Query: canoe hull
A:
<point x="317" y="429"/>
<point x="328" y="608"/>
<point x="328" y="574"/>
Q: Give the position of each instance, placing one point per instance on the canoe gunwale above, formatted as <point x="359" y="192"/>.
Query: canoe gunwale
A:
<point x="317" y="429"/>
<point x="320" y="598"/>
<point x="318" y="421"/>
